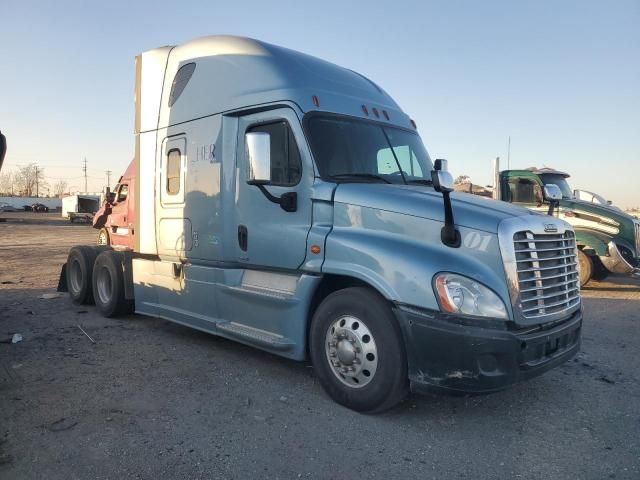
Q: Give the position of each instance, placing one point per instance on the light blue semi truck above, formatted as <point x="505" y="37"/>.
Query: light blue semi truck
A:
<point x="289" y="204"/>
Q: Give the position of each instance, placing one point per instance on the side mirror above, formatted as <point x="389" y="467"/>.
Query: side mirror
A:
<point x="441" y="164"/>
<point x="552" y="192"/>
<point x="258" y="149"/>
<point x="442" y="181"/>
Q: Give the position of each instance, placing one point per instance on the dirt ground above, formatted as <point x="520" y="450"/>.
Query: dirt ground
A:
<point x="151" y="399"/>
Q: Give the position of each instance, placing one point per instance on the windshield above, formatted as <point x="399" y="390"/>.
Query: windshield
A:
<point x="560" y="181"/>
<point x="355" y="150"/>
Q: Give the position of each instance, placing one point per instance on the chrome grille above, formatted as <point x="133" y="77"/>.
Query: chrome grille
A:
<point x="547" y="269"/>
<point x="637" y="233"/>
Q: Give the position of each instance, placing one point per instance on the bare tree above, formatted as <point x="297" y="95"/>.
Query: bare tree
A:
<point x="462" y="179"/>
<point x="6" y="183"/>
<point x="59" y="188"/>
<point x="30" y="179"/>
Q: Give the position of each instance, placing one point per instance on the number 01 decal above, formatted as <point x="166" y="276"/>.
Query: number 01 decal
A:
<point x="476" y="241"/>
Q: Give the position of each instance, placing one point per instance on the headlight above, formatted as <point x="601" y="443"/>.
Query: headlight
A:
<point x="458" y="294"/>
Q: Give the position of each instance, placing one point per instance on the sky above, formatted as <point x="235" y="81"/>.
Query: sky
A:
<point x="561" y="78"/>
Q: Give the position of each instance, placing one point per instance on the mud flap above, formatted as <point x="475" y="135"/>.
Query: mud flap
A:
<point x="62" y="281"/>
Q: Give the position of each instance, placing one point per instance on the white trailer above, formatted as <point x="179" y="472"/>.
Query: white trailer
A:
<point x="80" y="207"/>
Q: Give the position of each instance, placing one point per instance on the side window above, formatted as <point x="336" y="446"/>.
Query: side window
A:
<point x="183" y="75"/>
<point x="123" y="192"/>
<point x="286" y="166"/>
<point x="407" y="159"/>
<point x="173" y="172"/>
<point x="524" y="190"/>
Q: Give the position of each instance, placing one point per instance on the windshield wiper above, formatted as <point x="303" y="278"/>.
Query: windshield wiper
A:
<point x="372" y="176"/>
<point x="421" y="181"/>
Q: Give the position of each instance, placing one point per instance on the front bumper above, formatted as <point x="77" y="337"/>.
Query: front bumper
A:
<point x="451" y="353"/>
<point x="616" y="263"/>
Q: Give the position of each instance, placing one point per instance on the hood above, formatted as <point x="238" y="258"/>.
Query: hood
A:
<point x="469" y="211"/>
<point x="593" y="207"/>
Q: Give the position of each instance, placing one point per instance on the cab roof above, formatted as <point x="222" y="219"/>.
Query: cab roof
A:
<point x="234" y="73"/>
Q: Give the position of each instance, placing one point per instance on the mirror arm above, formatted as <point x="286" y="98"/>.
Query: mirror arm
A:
<point x="449" y="234"/>
<point x="552" y="206"/>
<point x="288" y="201"/>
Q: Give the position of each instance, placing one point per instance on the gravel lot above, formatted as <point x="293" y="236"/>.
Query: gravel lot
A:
<point x="151" y="399"/>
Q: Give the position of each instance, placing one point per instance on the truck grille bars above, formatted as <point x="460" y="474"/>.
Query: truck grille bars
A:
<point x="636" y="224"/>
<point x="547" y="270"/>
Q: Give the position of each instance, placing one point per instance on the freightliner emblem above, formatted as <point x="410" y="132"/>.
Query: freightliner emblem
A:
<point x="550" y="228"/>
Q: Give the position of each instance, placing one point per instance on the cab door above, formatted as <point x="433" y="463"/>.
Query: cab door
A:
<point x="268" y="235"/>
<point x="120" y="222"/>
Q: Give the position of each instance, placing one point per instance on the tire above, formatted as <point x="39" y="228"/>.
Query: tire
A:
<point x="600" y="272"/>
<point x="108" y="284"/>
<point x="79" y="273"/>
<point x="103" y="237"/>
<point x="339" y="330"/>
<point x="586" y="267"/>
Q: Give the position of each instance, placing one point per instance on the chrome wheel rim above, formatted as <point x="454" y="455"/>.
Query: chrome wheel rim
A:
<point x="351" y="351"/>
<point x="102" y="238"/>
<point x="104" y="285"/>
<point x="75" y="276"/>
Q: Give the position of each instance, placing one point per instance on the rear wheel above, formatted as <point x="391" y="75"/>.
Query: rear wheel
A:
<point x="108" y="284"/>
<point x="357" y="350"/>
<point x="586" y="267"/>
<point x="79" y="271"/>
<point x="103" y="237"/>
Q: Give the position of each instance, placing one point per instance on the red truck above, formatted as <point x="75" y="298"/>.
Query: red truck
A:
<point x="116" y="215"/>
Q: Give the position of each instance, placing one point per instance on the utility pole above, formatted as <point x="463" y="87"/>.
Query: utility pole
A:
<point x="37" y="181"/>
<point x="84" y="169"/>
<point x="108" y="172"/>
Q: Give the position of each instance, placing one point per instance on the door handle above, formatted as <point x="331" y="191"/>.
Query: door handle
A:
<point x="243" y="239"/>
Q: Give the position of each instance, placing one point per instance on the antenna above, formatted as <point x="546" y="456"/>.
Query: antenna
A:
<point x="84" y="169"/>
<point x="509" y="153"/>
<point x="108" y="173"/>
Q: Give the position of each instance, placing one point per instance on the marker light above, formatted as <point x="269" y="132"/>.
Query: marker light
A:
<point x="375" y="112"/>
<point x="461" y="295"/>
<point x="386" y="115"/>
<point x="365" y="110"/>
<point x="413" y="124"/>
<point x="316" y="100"/>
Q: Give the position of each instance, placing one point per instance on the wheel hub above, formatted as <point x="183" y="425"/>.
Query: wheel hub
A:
<point x="351" y="351"/>
<point x="346" y="352"/>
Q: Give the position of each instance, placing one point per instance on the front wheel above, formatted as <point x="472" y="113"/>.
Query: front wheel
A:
<point x="586" y="267"/>
<point x="357" y="350"/>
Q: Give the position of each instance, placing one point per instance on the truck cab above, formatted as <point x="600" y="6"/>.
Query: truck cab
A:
<point x="608" y="239"/>
<point x="115" y="218"/>
<point x="289" y="204"/>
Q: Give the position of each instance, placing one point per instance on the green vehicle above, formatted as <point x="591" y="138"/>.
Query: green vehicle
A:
<point x="608" y="239"/>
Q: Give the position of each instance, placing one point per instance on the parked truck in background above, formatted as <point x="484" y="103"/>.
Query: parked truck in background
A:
<point x="80" y="207"/>
<point x="115" y="218"/>
<point x="289" y="204"/>
<point x="608" y="239"/>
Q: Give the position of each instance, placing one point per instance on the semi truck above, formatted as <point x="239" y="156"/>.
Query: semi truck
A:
<point x="287" y="203"/>
<point x="608" y="239"/>
<point x="80" y="207"/>
<point x="115" y="218"/>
